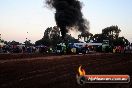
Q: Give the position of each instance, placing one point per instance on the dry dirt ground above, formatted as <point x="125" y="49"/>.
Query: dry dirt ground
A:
<point x="60" y="71"/>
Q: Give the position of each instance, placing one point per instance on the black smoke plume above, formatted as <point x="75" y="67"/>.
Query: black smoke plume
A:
<point x="68" y="14"/>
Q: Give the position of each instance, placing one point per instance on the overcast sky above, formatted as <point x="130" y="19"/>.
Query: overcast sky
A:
<point x="17" y="17"/>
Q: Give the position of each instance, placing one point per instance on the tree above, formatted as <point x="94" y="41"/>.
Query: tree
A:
<point x="97" y="38"/>
<point x="55" y="37"/>
<point x="14" y="43"/>
<point x="2" y="40"/>
<point x="111" y="33"/>
<point x="86" y="35"/>
<point x="112" y="30"/>
<point x="121" y="41"/>
<point x="28" y="43"/>
<point x="5" y="42"/>
<point x="52" y="37"/>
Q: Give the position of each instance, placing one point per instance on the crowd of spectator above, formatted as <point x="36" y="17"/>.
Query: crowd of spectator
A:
<point x="44" y="49"/>
<point x="122" y="49"/>
<point x="24" y="49"/>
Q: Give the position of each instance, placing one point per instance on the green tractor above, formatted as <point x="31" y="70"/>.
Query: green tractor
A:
<point x="61" y="48"/>
<point x="105" y="46"/>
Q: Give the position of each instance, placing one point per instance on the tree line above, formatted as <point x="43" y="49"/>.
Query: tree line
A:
<point x="52" y="37"/>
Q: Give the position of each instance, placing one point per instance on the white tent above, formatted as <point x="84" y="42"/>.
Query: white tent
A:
<point x="2" y="44"/>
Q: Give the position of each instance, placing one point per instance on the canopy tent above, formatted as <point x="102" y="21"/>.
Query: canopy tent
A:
<point x="2" y="44"/>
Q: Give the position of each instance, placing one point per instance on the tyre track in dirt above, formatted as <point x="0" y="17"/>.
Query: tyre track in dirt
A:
<point x="60" y="66"/>
<point x="65" y="68"/>
<point x="56" y="68"/>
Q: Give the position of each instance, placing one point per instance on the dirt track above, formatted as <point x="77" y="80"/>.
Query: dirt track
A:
<point x="60" y="71"/>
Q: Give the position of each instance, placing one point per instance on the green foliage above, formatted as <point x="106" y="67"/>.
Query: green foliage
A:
<point x="109" y="33"/>
<point x="86" y="35"/>
<point x="28" y="43"/>
<point x="120" y="41"/>
<point x="1" y="40"/>
<point x="52" y="37"/>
